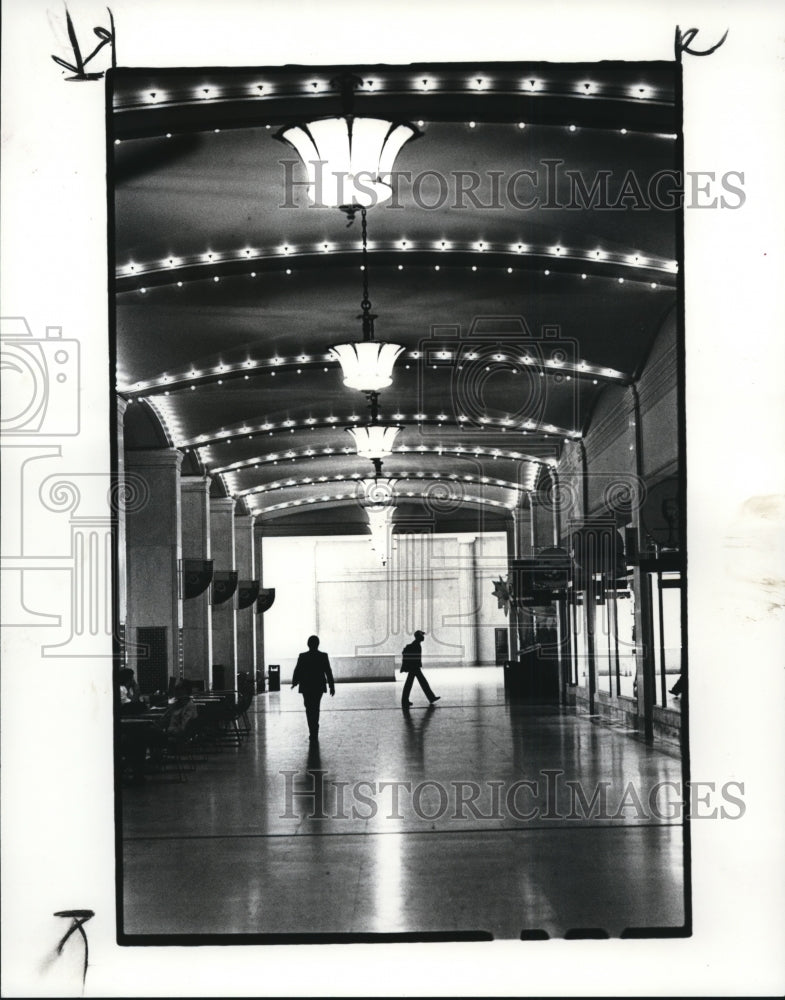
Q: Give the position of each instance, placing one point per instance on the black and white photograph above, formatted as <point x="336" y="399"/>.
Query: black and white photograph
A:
<point x="398" y="369"/>
<point x="392" y="502"/>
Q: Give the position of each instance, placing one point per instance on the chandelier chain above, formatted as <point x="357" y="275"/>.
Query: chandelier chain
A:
<point x="365" y="304"/>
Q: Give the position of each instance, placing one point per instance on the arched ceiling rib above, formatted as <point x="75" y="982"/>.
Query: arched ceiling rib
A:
<point x="551" y="258"/>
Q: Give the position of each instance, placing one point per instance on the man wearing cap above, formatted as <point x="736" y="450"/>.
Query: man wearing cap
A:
<point x="411" y="665"/>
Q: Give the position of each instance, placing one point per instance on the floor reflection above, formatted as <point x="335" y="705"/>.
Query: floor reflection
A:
<point x="460" y="817"/>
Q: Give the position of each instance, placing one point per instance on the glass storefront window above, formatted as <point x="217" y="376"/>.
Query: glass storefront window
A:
<point x="625" y="632"/>
<point x="580" y="643"/>
<point x="666" y="632"/>
<point x="573" y="612"/>
<point x="603" y="642"/>
<point x="614" y="646"/>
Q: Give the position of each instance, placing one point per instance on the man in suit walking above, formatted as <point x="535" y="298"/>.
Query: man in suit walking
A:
<point x="411" y="665"/>
<point x="313" y="673"/>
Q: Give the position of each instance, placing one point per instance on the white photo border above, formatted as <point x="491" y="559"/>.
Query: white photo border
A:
<point x="58" y="836"/>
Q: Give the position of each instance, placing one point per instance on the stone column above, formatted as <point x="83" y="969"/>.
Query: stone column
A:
<point x="197" y="616"/>
<point x="541" y="519"/>
<point x="522" y="530"/>
<point x="244" y="558"/>
<point x="258" y="620"/>
<point x="556" y="503"/>
<point x="467" y="600"/>
<point x="513" y="614"/>
<point x="121" y="601"/>
<point x="152" y="530"/>
<point x="224" y="617"/>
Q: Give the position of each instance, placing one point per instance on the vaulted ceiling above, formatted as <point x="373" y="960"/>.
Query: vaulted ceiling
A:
<point x="519" y="297"/>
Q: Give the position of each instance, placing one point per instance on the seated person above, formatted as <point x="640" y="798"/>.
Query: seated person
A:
<point x="143" y="742"/>
<point x="182" y="710"/>
<point x="245" y="683"/>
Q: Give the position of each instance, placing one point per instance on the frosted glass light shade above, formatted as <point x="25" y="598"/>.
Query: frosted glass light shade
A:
<point x="348" y="160"/>
<point x="367" y="365"/>
<point x="374" y="440"/>
<point x="380" y="521"/>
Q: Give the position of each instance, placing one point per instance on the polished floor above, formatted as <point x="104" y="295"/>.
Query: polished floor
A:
<point x="473" y="816"/>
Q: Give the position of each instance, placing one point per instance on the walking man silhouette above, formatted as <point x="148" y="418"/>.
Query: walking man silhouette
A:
<point x="411" y="665"/>
<point x="313" y="673"/>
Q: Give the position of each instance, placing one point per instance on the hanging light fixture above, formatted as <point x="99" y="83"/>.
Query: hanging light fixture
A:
<point x="380" y="521"/>
<point x="375" y="493"/>
<point x="377" y="498"/>
<point x="374" y="441"/>
<point x="367" y="365"/>
<point x="348" y="160"/>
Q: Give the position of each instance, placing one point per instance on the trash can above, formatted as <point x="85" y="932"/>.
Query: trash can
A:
<point x="259" y="681"/>
<point x="274" y="677"/>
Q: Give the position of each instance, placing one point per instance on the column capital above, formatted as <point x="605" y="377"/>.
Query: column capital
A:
<point x="195" y="484"/>
<point x="222" y="505"/>
<point x="159" y="457"/>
